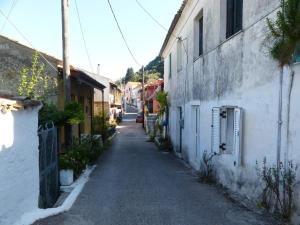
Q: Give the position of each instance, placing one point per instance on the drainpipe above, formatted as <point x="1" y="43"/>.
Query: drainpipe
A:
<point x="279" y="126"/>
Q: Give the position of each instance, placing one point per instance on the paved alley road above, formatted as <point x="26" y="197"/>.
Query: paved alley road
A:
<point x="135" y="184"/>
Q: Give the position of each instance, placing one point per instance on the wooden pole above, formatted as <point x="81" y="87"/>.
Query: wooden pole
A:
<point x="66" y="65"/>
<point x="143" y="95"/>
<point x="65" y="41"/>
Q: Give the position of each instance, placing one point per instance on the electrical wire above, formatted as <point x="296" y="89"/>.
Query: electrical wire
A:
<point x="24" y="37"/>
<point x="8" y="15"/>
<point x="124" y="39"/>
<point x="153" y="18"/>
<point x="83" y="38"/>
<point x="159" y="24"/>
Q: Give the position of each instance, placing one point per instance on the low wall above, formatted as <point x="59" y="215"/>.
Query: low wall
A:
<point x="150" y="124"/>
<point x="19" y="164"/>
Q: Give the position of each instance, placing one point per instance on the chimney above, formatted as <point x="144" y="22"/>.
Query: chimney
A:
<point x="98" y="69"/>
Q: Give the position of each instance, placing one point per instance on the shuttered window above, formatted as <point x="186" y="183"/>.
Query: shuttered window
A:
<point x="234" y="17"/>
<point x="227" y="132"/>
<point x="215" y="130"/>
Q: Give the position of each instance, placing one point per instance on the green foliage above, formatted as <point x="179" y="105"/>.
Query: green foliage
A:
<point x="207" y="167"/>
<point x="73" y="114"/>
<point x="278" y="188"/>
<point x="34" y="83"/>
<point x="152" y="76"/>
<point x="153" y="71"/>
<point x="156" y="66"/>
<point x="102" y="126"/>
<point x="162" y="98"/>
<point x="80" y="154"/>
<point x="165" y="143"/>
<point x="284" y="32"/>
<point x="129" y="75"/>
<point x="49" y="113"/>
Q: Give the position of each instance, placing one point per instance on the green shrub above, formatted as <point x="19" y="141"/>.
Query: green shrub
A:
<point x="102" y="126"/>
<point x="278" y="188"/>
<point x="49" y="113"/>
<point x="80" y="154"/>
<point x="73" y="114"/>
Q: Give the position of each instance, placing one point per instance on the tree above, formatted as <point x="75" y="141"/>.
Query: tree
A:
<point x="129" y="75"/>
<point x="152" y="76"/>
<point x="162" y="98"/>
<point x="156" y="66"/>
<point x="283" y="37"/>
<point x="284" y="33"/>
<point x="34" y="82"/>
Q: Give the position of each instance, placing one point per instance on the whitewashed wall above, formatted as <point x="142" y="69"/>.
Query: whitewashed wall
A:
<point x="19" y="164"/>
<point x="234" y="72"/>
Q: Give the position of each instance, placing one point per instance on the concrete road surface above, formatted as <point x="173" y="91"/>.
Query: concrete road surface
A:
<point x="135" y="184"/>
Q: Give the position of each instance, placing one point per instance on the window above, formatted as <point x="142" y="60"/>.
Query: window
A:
<point x="227" y="132"/>
<point x="170" y="65"/>
<point x="179" y="54"/>
<point x="198" y="35"/>
<point x="234" y="17"/>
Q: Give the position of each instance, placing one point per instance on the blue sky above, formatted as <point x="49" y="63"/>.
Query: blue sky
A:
<point x="40" y="21"/>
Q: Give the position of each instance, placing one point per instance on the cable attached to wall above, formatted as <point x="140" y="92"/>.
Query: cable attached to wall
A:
<point x="123" y="36"/>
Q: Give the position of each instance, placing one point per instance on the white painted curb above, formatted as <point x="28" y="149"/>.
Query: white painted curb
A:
<point x="38" y="214"/>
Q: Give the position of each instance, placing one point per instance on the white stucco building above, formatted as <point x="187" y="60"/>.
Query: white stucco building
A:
<point x="132" y="93"/>
<point x="19" y="158"/>
<point x="224" y="89"/>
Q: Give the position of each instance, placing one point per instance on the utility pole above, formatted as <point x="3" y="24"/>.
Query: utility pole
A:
<point x="65" y="41"/>
<point x="143" y="95"/>
<point x="66" y="65"/>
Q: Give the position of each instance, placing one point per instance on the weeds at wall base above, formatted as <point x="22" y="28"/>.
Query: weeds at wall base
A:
<point x="206" y="173"/>
<point x="278" y="189"/>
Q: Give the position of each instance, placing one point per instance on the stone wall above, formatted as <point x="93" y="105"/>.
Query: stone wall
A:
<point x="13" y="56"/>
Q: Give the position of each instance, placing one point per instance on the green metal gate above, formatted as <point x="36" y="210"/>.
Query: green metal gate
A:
<point x="48" y="166"/>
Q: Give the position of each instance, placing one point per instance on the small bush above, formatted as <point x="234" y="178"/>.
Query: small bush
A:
<point x="73" y="114"/>
<point x="278" y="188"/>
<point x="80" y="154"/>
<point x="102" y="126"/>
<point x="206" y="173"/>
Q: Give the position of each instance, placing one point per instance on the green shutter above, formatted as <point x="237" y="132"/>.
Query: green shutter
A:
<point x="170" y="65"/>
<point x="297" y="53"/>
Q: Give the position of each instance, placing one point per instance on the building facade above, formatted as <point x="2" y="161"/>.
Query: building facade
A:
<point x="224" y="91"/>
<point x="14" y="56"/>
<point x="132" y="93"/>
<point x="151" y="89"/>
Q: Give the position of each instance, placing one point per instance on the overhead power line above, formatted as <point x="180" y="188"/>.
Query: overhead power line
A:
<point x="159" y="24"/>
<point x="124" y="39"/>
<point x="150" y="15"/>
<point x="83" y="38"/>
<point x="13" y="4"/>
<point x="24" y="37"/>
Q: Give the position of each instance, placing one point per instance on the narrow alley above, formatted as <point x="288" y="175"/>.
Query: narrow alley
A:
<point x="135" y="183"/>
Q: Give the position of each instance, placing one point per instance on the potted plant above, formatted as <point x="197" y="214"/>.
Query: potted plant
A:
<point x="66" y="173"/>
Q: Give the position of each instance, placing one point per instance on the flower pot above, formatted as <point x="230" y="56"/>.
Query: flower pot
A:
<point x="66" y="177"/>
